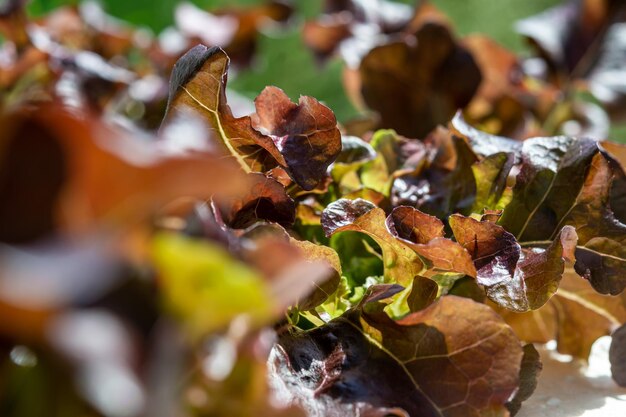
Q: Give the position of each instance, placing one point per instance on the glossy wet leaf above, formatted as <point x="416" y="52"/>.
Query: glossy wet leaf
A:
<point x="482" y="143"/>
<point x="583" y="202"/>
<point x="552" y="170"/>
<point x="514" y="278"/>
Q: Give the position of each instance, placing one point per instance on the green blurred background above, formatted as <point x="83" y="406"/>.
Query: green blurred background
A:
<point x="286" y="63"/>
<point x="493" y="17"/>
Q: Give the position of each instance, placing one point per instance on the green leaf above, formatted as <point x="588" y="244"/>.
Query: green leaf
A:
<point x="207" y="288"/>
<point x="491" y="176"/>
<point x="354" y="154"/>
<point x="401" y="263"/>
<point x="395" y="155"/>
<point x="357" y="260"/>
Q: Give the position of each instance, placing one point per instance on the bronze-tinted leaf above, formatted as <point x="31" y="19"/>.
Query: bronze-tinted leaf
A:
<point x="600" y="254"/>
<point x="513" y="278"/>
<point x="603" y="83"/>
<point x="338" y="28"/>
<point x="380" y="292"/>
<point x="444" y="186"/>
<point x="424" y="234"/>
<point x="92" y="172"/>
<point x="502" y="103"/>
<point x="325" y="35"/>
<point x="303" y="138"/>
<point x="427" y="364"/>
<point x="421" y="82"/>
<point x="446" y="255"/>
<point x="565" y="181"/>
<point x="529" y="372"/>
<point x="411" y="224"/>
<point x="552" y="171"/>
<point x="581" y="39"/>
<point x="11" y="6"/>
<point x="306" y="133"/>
<point x="13" y="22"/>
<point x="401" y="263"/>
<point x="236" y="29"/>
<point x="423" y="293"/>
<point x="468" y="288"/>
<point x="580" y="44"/>
<point x="313" y="252"/>
<point x="198" y="81"/>
<point x="559" y="34"/>
<point x="307" y="269"/>
<point x="266" y="199"/>
<point x="391" y="16"/>
<point x="617" y="355"/>
<point x="575" y="317"/>
<point x="482" y="143"/>
<point x="616" y="155"/>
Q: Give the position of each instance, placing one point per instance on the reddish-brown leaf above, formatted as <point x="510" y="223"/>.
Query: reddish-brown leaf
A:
<point x="427" y="364"/>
